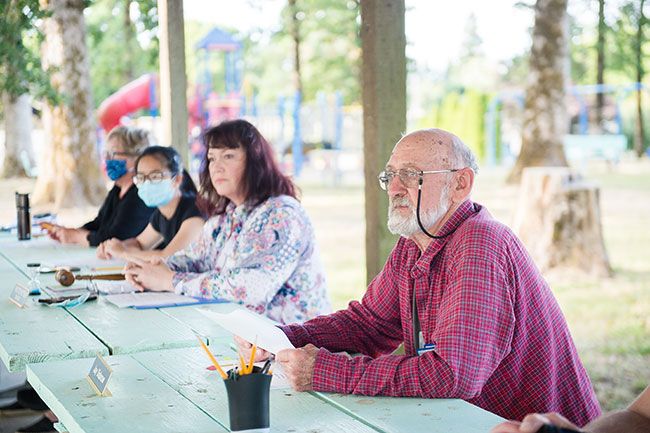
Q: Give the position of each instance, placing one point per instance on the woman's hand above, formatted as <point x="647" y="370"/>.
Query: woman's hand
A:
<point x="115" y="248"/>
<point x="533" y="422"/>
<point x="102" y="252"/>
<point x="152" y="275"/>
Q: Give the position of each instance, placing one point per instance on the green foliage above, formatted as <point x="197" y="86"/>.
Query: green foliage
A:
<point x="120" y="48"/>
<point x="463" y="113"/>
<point x="20" y="66"/>
<point x="330" y="52"/>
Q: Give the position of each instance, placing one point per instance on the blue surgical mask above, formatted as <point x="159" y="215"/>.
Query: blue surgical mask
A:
<point x="116" y="168"/>
<point x="156" y="194"/>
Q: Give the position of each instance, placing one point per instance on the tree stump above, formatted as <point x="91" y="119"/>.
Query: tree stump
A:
<point x="558" y="219"/>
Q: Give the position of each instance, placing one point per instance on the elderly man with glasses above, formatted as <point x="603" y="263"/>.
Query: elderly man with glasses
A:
<point x="477" y="319"/>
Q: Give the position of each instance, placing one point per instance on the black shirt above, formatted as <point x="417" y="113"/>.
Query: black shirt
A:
<point x="121" y="218"/>
<point x="169" y="227"/>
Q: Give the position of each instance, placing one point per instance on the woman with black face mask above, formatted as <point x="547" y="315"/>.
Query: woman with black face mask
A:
<point x="123" y="214"/>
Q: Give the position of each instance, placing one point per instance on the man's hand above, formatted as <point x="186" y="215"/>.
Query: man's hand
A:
<point x="298" y="365"/>
<point x="533" y="422"/>
<point x="245" y="348"/>
<point x="152" y="275"/>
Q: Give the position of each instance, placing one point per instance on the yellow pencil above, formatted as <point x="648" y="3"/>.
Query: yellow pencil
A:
<point x="213" y="359"/>
<point x="250" y="367"/>
<point x="242" y="364"/>
<point x="108" y="268"/>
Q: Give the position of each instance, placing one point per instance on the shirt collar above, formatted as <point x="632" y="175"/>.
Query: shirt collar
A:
<point x="423" y="262"/>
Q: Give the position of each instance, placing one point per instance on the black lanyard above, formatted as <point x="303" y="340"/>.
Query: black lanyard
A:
<point x="416" y="322"/>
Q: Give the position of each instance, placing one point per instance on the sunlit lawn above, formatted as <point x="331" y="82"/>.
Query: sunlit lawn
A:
<point x="609" y="319"/>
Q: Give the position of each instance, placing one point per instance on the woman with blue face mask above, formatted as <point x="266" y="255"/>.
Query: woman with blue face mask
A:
<point x="176" y="221"/>
<point x="123" y="214"/>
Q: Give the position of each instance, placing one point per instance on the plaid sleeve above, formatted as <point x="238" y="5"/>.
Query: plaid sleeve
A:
<point x="372" y="326"/>
<point x="472" y="335"/>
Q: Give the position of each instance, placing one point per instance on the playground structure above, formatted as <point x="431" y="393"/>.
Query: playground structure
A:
<point x="581" y="143"/>
<point x="291" y="125"/>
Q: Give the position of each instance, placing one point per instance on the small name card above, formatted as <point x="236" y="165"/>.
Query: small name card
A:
<point x="19" y="295"/>
<point x="98" y="376"/>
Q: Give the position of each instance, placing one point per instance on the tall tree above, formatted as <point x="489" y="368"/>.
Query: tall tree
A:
<point x="600" y="62"/>
<point x="21" y="77"/>
<point x="545" y="120"/>
<point x="116" y="55"/>
<point x="639" y="136"/>
<point x="73" y="176"/>
<point x="295" y="17"/>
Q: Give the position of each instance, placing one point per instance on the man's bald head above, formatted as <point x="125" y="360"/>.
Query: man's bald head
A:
<point x="441" y="148"/>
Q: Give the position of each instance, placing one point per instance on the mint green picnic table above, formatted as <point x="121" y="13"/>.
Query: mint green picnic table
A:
<point x="184" y="372"/>
<point x="36" y="333"/>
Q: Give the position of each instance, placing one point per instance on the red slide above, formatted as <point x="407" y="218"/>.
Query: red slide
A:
<point x="138" y="94"/>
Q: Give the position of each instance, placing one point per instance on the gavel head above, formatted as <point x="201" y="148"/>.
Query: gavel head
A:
<point x="64" y="277"/>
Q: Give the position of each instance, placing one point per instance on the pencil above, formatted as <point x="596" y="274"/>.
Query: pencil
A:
<point x="242" y="364"/>
<point x="213" y="359"/>
<point x="249" y="369"/>
<point x="108" y="268"/>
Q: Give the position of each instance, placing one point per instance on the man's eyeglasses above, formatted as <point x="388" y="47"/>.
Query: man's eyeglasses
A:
<point x="119" y="155"/>
<point x="153" y="177"/>
<point x="409" y="177"/>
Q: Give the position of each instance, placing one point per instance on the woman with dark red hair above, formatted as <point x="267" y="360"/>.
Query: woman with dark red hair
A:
<point x="258" y="248"/>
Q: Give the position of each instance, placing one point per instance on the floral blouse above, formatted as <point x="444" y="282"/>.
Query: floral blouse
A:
<point x="263" y="257"/>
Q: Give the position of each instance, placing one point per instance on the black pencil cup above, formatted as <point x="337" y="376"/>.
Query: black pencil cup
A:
<point x="248" y="401"/>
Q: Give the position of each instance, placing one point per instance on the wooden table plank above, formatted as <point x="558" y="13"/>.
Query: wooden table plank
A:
<point x="416" y="414"/>
<point x="185" y="371"/>
<point x="127" y="330"/>
<point x="140" y="401"/>
<point x="200" y="323"/>
<point x="37" y="333"/>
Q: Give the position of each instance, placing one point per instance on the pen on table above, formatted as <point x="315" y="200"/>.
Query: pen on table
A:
<point x="266" y="367"/>
<point x="212" y="358"/>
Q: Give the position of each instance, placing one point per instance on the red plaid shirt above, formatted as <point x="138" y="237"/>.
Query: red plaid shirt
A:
<point x="501" y="341"/>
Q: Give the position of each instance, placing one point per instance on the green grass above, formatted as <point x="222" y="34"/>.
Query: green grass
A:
<point x="609" y="318"/>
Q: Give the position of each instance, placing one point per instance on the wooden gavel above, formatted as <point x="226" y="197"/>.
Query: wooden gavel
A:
<point x="67" y="278"/>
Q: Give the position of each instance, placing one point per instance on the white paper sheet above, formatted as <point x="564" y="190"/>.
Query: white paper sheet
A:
<point x="252" y="327"/>
<point x="93" y="264"/>
<point x="149" y="299"/>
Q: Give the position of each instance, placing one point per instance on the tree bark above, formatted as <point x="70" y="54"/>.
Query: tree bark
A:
<point x="383" y="77"/>
<point x="69" y="174"/>
<point x="129" y="38"/>
<point x="558" y="219"/>
<point x="600" y="62"/>
<point x="639" y="136"/>
<point x="545" y="121"/>
<point x="295" y="35"/>
<point x="173" y="77"/>
<point x="18" y="134"/>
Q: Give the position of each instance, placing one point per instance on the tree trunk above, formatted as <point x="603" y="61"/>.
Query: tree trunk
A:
<point x="129" y="43"/>
<point x="70" y="174"/>
<point x="558" y="219"/>
<point x="18" y="134"/>
<point x="383" y="76"/>
<point x="600" y="63"/>
<point x="295" y="35"/>
<point x="545" y="121"/>
<point x="639" y="136"/>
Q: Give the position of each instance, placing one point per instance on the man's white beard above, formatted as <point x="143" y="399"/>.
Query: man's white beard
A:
<point x="407" y="226"/>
